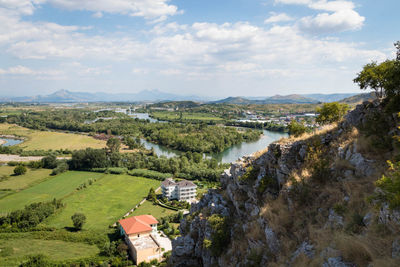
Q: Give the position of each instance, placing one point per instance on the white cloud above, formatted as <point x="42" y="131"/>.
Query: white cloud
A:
<point x="25" y="7"/>
<point x="156" y="10"/>
<point x="336" y="22"/>
<point x="282" y="17"/>
<point x="342" y="16"/>
<point x="149" y="9"/>
<point x="23" y="70"/>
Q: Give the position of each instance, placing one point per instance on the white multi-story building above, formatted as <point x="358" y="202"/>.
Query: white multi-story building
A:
<point x="183" y="190"/>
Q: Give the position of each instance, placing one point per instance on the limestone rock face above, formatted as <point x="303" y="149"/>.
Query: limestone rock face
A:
<point x="253" y="242"/>
<point x="396" y="249"/>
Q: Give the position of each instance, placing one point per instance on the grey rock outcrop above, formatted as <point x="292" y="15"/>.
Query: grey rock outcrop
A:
<point x="242" y="202"/>
<point x="336" y="262"/>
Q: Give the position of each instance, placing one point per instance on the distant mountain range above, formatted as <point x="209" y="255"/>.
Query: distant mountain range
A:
<point x="286" y="99"/>
<point x="65" y="96"/>
<point x="358" y="99"/>
<point x="155" y="96"/>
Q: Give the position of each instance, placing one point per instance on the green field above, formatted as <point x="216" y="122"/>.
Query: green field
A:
<point x="22" y="181"/>
<point x="57" y="187"/>
<point x="185" y="116"/>
<point x="6" y="170"/>
<point x="45" y="140"/>
<point x="155" y="210"/>
<point x="104" y="202"/>
<point x="13" y="251"/>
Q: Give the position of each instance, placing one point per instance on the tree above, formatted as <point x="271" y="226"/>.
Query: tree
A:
<point x="114" y="144"/>
<point x="19" y="170"/>
<point x="49" y="162"/>
<point x="152" y="195"/>
<point x="376" y="77"/>
<point x="331" y="112"/>
<point x="296" y="128"/>
<point x="384" y="78"/>
<point x="78" y="219"/>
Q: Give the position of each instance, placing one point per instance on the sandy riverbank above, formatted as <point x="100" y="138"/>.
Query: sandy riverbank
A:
<point x="2" y="142"/>
<point x="7" y="158"/>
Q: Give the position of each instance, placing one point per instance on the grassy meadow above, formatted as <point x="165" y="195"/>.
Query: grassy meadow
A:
<point x="152" y="209"/>
<point x="31" y="177"/>
<point x="56" y="187"/>
<point x="104" y="202"/>
<point x="14" y="251"/>
<point x="46" y="140"/>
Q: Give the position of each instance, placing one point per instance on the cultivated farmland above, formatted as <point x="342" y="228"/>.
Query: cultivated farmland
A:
<point x="15" y="250"/>
<point x="57" y="187"/>
<point x="20" y="182"/>
<point x="104" y="202"/>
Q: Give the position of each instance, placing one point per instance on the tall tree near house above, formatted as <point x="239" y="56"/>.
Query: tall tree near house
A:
<point x="152" y="195"/>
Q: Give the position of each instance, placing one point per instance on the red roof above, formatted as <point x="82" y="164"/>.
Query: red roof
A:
<point x="138" y="224"/>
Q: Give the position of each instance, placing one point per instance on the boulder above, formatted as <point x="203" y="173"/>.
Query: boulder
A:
<point x="336" y="262"/>
<point x="306" y="249"/>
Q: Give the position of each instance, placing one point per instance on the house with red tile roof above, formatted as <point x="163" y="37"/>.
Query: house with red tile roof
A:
<point x="139" y="233"/>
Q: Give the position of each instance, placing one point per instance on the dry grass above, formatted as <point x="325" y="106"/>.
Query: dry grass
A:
<point x="354" y="250"/>
<point x="343" y="165"/>
<point x="255" y="232"/>
<point x="320" y="131"/>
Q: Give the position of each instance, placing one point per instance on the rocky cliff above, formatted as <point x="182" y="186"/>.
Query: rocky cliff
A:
<point x="303" y="202"/>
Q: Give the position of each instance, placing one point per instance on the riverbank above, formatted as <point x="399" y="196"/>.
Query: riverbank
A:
<point x="17" y="158"/>
<point x="2" y="142"/>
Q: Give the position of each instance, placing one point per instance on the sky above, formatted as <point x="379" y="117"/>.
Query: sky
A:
<point x="213" y="48"/>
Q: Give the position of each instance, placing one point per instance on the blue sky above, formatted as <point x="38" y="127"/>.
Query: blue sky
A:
<point x="208" y="48"/>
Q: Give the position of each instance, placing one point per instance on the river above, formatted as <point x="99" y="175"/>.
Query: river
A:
<point x="10" y="142"/>
<point x="230" y="154"/>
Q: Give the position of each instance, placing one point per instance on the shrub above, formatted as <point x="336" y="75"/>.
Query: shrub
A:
<point x="20" y="170"/>
<point x="390" y="187"/>
<point x="117" y="170"/>
<point x="78" y="219"/>
<point x="220" y="233"/>
<point x="61" y="167"/>
<point x="30" y="216"/>
<point x="250" y="174"/>
<point x="39" y="260"/>
<point x="268" y="182"/>
<point x="297" y="129"/>
<point x="49" y="162"/>
<point x="331" y="112"/>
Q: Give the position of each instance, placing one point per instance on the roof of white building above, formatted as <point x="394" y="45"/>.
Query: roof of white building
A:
<point x="183" y="183"/>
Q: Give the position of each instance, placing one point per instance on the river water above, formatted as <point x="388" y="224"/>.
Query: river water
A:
<point x="230" y="154"/>
<point x="11" y="142"/>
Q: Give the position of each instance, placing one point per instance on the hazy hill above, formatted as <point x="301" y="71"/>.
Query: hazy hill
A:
<point x="358" y="99"/>
<point x="329" y="97"/>
<point x="277" y="99"/>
